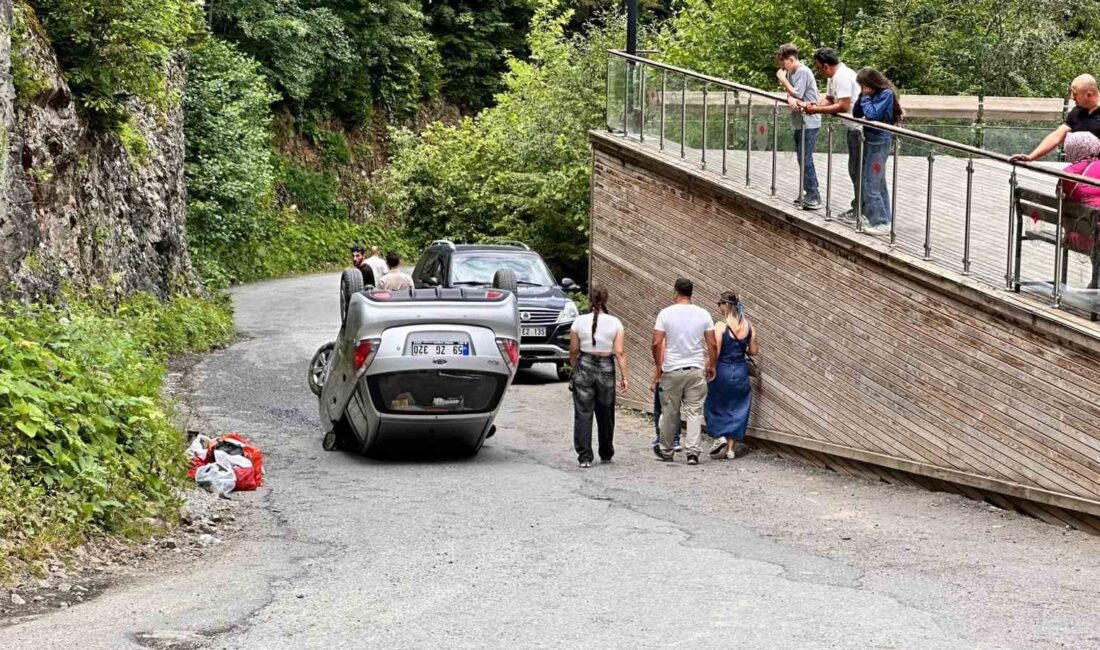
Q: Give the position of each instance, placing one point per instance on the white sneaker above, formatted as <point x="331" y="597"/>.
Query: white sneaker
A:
<point x="880" y="229"/>
<point x="730" y="455"/>
<point x="719" y="445"/>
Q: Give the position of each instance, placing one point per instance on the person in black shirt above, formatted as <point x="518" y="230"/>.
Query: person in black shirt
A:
<point x="1085" y="116"/>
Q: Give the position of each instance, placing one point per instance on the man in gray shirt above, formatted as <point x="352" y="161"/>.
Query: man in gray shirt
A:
<point x="801" y="86"/>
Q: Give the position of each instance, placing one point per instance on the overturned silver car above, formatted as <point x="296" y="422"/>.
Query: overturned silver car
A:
<point x="420" y="363"/>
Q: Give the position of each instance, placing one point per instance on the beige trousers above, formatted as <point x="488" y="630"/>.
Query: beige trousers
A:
<point x="683" y="393"/>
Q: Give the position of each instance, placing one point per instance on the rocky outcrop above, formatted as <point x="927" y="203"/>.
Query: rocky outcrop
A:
<point x="85" y="205"/>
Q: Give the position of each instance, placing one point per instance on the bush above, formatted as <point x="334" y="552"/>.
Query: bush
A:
<point x="521" y="169"/>
<point x="229" y="168"/>
<point x="86" y="444"/>
<point x="112" y="50"/>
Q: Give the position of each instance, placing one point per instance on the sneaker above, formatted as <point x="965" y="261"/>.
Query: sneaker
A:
<point x="676" y="446"/>
<point x="797" y="200"/>
<point x="693" y="459"/>
<point x="605" y="461"/>
<point x="585" y="464"/>
<point x="662" y="455"/>
<point x="719" y="447"/>
<point x="847" y="215"/>
<point x="811" y="204"/>
<point x="731" y="454"/>
<point x="878" y="229"/>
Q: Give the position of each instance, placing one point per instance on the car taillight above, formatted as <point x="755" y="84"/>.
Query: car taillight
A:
<point x="364" y="352"/>
<point x="381" y="295"/>
<point x="493" y="294"/>
<point x="509" y="349"/>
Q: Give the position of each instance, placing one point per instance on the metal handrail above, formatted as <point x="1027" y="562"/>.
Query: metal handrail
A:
<point x="711" y="85"/>
<point x="882" y="126"/>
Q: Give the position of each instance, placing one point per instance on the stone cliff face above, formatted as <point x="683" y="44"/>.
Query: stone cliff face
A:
<point x="83" y="205"/>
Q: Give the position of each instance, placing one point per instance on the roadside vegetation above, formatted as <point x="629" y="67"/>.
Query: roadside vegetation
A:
<point x="86" y="442"/>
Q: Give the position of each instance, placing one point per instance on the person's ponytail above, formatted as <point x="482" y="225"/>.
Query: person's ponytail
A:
<point x="599" y="305"/>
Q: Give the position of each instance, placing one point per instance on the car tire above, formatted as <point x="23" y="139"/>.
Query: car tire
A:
<point x="318" y="370"/>
<point x="564" y="372"/>
<point x="351" y="283"/>
<point x="506" y="279"/>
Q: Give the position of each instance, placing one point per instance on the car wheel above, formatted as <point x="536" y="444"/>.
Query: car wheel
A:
<point x="506" y="279"/>
<point x="564" y="372"/>
<point x="351" y="283"/>
<point x="318" y="367"/>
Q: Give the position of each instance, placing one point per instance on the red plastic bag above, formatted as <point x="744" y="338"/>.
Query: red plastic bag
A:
<point x="248" y="478"/>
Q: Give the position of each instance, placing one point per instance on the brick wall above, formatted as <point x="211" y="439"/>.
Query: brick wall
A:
<point x="866" y="355"/>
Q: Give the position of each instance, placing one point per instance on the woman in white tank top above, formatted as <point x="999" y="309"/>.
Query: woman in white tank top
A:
<point x="595" y="348"/>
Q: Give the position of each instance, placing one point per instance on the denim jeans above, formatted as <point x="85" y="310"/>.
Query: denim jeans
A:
<point x="810" y="189"/>
<point x="594" y="393"/>
<point x="876" y="196"/>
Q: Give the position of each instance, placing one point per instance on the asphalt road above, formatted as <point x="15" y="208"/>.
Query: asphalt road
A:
<point x="520" y="548"/>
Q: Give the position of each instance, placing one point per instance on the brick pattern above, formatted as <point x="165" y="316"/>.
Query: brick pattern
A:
<point x="858" y="359"/>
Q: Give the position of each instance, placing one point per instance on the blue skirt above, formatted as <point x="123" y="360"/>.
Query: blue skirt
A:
<point x="729" y="399"/>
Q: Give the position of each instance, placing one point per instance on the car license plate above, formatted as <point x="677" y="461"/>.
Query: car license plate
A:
<point x="439" y="349"/>
<point x="533" y="331"/>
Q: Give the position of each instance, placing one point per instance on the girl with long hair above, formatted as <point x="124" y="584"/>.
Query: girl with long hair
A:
<point x="729" y="394"/>
<point x="878" y="102"/>
<point x="595" y="348"/>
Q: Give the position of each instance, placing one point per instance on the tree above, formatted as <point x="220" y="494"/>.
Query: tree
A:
<point x="520" y="169"/>
<point x="475" y="39"/>
<point x="295" y="44"/>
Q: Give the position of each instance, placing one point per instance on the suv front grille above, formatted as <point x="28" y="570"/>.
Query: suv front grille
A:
<point x="538" y="316"/>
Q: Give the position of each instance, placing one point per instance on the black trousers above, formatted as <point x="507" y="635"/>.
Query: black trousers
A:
<point x="594" y="394"/>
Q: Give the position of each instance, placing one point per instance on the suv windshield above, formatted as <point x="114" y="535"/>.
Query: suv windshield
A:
<point x="479" y="269"/>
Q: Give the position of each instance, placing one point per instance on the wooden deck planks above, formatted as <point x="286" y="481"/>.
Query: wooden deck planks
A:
<point x="859" y="358"/>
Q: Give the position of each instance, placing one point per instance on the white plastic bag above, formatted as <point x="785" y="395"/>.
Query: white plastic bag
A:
<point x="231" y="460"/>
<point x="197" y="448"/>
<point x="218" y="478"/>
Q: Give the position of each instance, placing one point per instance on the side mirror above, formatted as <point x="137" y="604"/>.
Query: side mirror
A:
<point x="431" y="282"/>
<point x="569" y="285"/>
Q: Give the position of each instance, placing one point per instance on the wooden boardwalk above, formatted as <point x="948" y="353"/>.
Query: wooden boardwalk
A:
<point x="990" y="200"/>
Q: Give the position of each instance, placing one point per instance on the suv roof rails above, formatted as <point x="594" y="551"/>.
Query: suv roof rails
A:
<point x="512" y="242"/>
<point x="444" y="242"/>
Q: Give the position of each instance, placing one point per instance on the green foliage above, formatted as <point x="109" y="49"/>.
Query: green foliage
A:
<point x="134" y="142"/>
<point x="474" y="40"/>
<point x="112" y="50"/>
<point x="991" y="47"/>
<point x="297" y="44"/>
<point x="737" y="39"/>
<point x="86" y="444"/>
<point x="395" y="62"/>
<point x="28" y="79"/>
<point x="228" y="155"/>
<point x="521" y="169"/>
<point x="311" y="232"/>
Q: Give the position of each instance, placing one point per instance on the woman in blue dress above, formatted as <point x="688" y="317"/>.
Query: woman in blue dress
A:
<point x="729" y="395"/>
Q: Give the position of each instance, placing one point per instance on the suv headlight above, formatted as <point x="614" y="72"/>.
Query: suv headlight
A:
<point x="569" y="312"/>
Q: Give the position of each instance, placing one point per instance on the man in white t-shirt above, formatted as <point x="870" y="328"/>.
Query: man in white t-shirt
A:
<point x="841" y="94"/>
<point x="377" y="264"/>
<point x="684" y="354"/>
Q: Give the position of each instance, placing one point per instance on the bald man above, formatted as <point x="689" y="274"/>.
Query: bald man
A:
<point x="1085" y="116"/>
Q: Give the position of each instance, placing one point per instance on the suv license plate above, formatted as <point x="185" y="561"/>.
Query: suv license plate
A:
<point x="439" y="349"/>
<point x="533" y="331"/>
